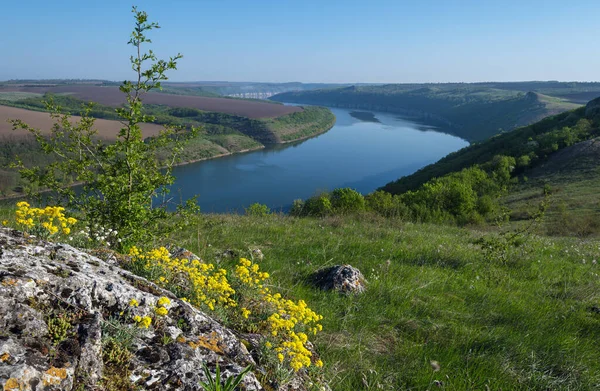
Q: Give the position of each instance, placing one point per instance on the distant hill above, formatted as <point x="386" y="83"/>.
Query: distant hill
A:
<point x="474" y="112"/>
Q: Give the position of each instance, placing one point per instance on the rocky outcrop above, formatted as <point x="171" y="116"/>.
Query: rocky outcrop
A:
<point x="69" y="320"/>
<point x="342" y="278"/>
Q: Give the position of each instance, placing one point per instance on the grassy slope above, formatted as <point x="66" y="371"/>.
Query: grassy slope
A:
<point x="471" y="111"/>
<point x="529" y="324"/>
<point x="573" y="175"/>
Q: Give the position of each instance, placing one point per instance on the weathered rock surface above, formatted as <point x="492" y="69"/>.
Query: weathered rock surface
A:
<point x="43" y="284"/>
<point x="342" y="278"/>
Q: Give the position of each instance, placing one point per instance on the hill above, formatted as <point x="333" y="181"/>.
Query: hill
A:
<point x="533" y="143"/>
<point x="471" y="111"/>
<point x="221" y="133"/>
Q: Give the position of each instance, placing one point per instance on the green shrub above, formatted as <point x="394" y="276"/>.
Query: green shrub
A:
<point x="257" y="209"/>
<point x="124" y="182"/>
<point x="317" y="206"/>
<point x="346" y="200"/>
<point x="386" y="204"/>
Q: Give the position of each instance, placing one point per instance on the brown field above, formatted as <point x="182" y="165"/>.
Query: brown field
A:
<point x="111" y="96"/>
<point x="106" y="129"/>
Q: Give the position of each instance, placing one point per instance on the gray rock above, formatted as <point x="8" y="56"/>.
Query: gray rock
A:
<point x="342" y="278"/>
<point x="41" y="282"/>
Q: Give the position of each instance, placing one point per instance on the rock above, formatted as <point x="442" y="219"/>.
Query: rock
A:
<point x="64" y="315"/>
<point x="182" y="253"/>
<point x="342" y="278"/>
<point x="257" y="254"/>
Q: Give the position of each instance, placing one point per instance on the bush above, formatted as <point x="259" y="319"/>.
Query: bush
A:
<point x="317" y="206"/>
<point x="346" y="200"/>
<point x="257" y="209"/>
<point x="386" y="204"/>
<point x="124" y="182"/>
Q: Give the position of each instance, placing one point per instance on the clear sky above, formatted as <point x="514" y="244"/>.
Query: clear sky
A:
<point x="381" y="41"/>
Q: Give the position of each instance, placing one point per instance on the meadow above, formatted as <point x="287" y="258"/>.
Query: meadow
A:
<point x="440" y="311"/>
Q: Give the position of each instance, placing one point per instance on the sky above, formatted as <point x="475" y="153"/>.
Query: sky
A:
<point x="345" y="41"/>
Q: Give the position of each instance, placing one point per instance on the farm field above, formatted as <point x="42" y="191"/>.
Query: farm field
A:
<point x="107" y="129"/>
<point x="111" y="96"/>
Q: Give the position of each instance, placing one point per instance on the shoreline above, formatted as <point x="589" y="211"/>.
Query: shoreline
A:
<point x="184" y="163"/>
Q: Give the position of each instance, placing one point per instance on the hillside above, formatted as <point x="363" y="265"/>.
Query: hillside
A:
<point x="471" y="111"/>
<point x="572" y="175"/>
<point x="220" y="133"/>
<point x="536" y="141"/>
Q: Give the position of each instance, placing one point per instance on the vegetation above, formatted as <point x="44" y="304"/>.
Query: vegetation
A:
<point x="122" y="179"/>
<point x="445" y="306"/>
<point x="525" y="320"/>
<point x="217" y="133"/>
<point x="471" y="111"/>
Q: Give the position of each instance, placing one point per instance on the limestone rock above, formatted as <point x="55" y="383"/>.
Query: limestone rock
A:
<point x="60" y="308"/>
<point x="342" y="278"/>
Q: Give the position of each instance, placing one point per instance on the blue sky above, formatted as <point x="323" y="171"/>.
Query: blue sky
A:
<point x="310" y="40"/>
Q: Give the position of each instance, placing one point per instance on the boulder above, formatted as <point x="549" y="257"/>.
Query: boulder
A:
<point x="342" y="278"/>
<point x="67" y="318"/>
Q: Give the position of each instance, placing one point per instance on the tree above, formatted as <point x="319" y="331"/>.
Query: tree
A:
<point x="124" y="180"/>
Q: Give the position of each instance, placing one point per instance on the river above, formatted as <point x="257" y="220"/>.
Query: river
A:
<point x="363" y="151"/>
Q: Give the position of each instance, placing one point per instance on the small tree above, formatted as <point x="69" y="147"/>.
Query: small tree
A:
<point x="122" y="180"/>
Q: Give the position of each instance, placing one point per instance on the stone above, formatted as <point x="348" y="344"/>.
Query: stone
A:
<point x="42" y="284"/>
<point x="341" y="278"/>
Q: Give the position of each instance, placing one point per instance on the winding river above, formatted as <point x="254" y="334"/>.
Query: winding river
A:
<point x="363" y="150"/>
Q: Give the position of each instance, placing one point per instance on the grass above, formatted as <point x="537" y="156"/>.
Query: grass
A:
<point x="526" y="324"/>
<point x="437" y="313"/>
<point x="15" y="95"/>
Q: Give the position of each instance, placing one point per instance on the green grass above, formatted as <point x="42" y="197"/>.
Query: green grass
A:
<point x="12" y="96"/>
<point x="527" y="324"/>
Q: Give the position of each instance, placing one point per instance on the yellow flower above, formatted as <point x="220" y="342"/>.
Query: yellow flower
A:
<point x="161" y="311"/>
<point x="280" y="357"/>
<point x="137" y="318"/>
<point x="319" y="363"/>
<point x="66" y="231"/>
<point x="133" y="303"/>
<point x="245" y="312"/>
<point x="163" y="301"/>
<point x="268" y="344"/>
<point x="5" y="222"/>
<point x="145" y="322"/>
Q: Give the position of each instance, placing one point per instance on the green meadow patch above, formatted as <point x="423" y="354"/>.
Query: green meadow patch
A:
<point x="437" y="313"/>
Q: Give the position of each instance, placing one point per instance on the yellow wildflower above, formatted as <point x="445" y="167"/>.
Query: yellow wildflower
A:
<point x="163" y="301"/>
<point x="245" y="312"/>
<point x="133" y="303"/>
<point x="161" y="311"/>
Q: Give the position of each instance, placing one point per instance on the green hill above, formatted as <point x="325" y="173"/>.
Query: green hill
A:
<point x="472" y="111"/>
<point x="531" y="145"/>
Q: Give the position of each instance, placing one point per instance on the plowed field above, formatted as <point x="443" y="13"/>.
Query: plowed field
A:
<point x="111" y="96"/>
<point x="106" y="129"/>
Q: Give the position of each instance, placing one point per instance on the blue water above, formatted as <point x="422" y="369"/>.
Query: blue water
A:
<point x="360" y="154"/>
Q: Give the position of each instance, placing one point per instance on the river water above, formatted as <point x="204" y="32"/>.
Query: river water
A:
<point x="363" y="151"/>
